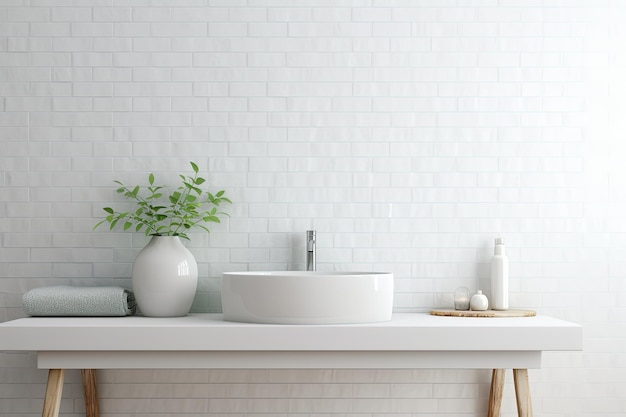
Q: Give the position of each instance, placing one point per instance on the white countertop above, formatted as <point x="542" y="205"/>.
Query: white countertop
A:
<point x="206" y="341"/>
<point x="208" y="332"/>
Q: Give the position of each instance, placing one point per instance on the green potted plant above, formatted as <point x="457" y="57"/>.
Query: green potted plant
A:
<point x="165" y="272"/>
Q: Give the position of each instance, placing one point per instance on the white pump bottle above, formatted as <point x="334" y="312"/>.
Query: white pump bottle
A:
<point x="499" y="278"/>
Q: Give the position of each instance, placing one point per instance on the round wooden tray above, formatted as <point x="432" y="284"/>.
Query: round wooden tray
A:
<point x="486" y="313"/>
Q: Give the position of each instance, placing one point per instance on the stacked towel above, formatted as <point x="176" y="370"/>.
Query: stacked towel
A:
<point x="65" y="300"/>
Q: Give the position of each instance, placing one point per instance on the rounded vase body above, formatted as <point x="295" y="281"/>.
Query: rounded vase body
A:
<point x="165" y="278"/>
<point x="479" y="302"/>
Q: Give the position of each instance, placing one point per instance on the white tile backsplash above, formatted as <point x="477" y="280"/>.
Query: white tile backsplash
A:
<point x="409" y="134"/>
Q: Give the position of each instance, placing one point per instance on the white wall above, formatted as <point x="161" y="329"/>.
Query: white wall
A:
<point x="408" y="133"/>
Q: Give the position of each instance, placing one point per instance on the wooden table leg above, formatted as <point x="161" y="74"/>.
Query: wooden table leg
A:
<point x="54" y="391"/>
<point x="522" y="393"/>
<point x="90" y="390"/>
<point x="495" y="392"/>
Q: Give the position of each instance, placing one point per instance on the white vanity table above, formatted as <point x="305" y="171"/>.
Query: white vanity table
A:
<point x="206" y="341"/>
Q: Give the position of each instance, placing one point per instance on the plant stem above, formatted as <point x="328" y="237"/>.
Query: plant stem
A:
<point x="183" y="198"/>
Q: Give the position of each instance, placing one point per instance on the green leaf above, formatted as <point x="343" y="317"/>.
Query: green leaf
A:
<point x="167" y="211"/>
<point x="175" y="197"/>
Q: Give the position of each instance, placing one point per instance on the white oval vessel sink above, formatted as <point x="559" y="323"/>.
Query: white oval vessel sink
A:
<point x="306" y="297"/>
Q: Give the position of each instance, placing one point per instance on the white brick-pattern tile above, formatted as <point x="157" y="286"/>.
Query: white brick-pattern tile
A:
<point x="408" y="133"/>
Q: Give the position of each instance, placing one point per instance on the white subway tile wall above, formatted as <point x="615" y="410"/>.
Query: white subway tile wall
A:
<point x="408" y="133"/>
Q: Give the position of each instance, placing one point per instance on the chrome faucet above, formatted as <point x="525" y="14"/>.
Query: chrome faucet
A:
<point x="310" y="250"/>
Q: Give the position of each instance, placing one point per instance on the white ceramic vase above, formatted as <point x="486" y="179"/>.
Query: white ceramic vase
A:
<point x="165" y="278"/>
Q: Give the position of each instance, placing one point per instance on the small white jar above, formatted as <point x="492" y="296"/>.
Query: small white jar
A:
<point x="479" y="302"/>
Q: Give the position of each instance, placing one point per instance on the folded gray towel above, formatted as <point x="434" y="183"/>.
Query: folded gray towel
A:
<point x="63" y="300"/>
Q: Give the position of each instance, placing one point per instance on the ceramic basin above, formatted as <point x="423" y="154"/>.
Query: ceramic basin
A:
<point x="304" y="297"/>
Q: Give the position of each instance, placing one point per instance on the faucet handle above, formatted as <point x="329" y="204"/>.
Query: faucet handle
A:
<point x="310" y="240"/>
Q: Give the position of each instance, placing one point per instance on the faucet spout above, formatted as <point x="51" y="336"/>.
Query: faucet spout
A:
<point x="310" y="250"/>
